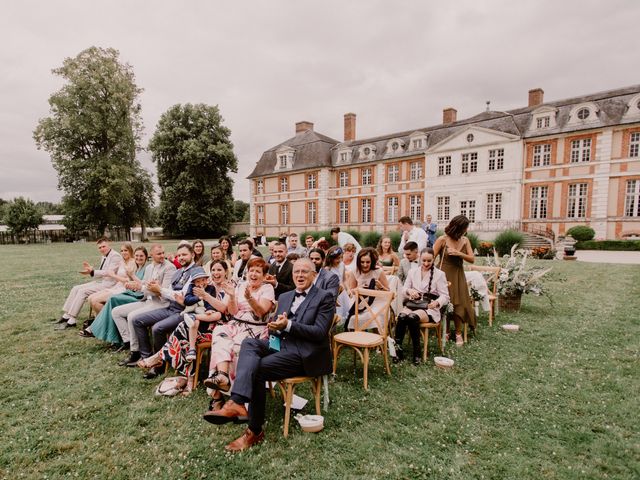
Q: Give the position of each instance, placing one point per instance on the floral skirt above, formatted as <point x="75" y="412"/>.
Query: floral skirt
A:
<point x="175" y="349"/>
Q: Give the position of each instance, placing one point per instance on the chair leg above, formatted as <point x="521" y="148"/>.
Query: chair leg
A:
<point x="335" y="357"/>
<point x="366" y="368"/>
<point x="318" y="393"/>
<point x="491" y="307"/>
<point x="385" y="355"/>
<point x="439" y="336"/>
<point x="425" y="341"/>
<point x="465" y="333"/>
<point x="196" y="372"/>
<point x="287" y="408"/>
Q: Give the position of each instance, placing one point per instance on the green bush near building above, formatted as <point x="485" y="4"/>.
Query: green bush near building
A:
<point x="582" y="233"/>
<point x="619" y="245"/>
<point x="370" y="239"/>
<point x="507" y="239"/>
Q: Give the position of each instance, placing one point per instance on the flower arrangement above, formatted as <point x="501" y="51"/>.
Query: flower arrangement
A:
<point x="476" y="296"/>
<point x="515" y="277"/>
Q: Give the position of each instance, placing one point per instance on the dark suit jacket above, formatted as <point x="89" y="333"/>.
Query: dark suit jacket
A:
<point x="310" y="329"/>
<point x="328" y="281"/>
<point x="284" y="277"/>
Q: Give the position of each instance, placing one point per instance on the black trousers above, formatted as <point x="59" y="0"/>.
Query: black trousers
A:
<point x="257" y="365"/>
<point x="409" y="322"/>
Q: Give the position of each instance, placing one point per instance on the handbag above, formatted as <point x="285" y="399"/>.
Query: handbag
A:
<point x="425" y="299"/>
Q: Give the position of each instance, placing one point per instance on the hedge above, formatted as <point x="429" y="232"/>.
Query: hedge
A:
<point x="619" y="245"/>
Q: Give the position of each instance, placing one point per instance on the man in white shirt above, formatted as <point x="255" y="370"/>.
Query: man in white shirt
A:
<point x="409" y="262"/>
<point x="411" y="233"/>
<point x="342" y="238"/>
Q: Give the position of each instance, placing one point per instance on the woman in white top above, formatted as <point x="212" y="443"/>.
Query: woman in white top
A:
<point x="426" y="283"/>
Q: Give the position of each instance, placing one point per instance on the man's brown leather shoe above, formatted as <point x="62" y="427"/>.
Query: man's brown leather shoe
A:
<point x="247" y="440"/>
<point x="230" y="412"/>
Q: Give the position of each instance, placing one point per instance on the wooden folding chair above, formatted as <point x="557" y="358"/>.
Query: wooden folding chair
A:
<point x="362" y="341"/>
<point x="493" y="296"/>
<point x="200" y="349"/>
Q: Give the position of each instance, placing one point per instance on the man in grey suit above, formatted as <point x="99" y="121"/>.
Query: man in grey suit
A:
<point x="110" y="262"/>
<point x="303" y="320"/>
<point x="410" y="260"/>
<point x="325" y="279"/>
<point x="159" y="273"/>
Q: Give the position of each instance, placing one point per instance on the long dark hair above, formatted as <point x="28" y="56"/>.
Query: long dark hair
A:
<point x="429" y="250"/>
<point x="373" y="255"/>
<point x="229" y="252"/>
<point x="457" y="227"/>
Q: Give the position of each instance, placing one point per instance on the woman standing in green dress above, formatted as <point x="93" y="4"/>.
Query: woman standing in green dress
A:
<point x="455" y="248"/>
<point x="103" y="327"/>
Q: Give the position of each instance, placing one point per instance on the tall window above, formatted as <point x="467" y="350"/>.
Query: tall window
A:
<point x="365" y="207"/>
<point x="344" y="178"/>
<point x="260" y="214"/>
<point x="468" y="209"/>
<point x="581" y="150"/>
<point x="494" y="206"/>
<point x="260" y="186"/>
<point x="444" y="210"/>
<point x="284" y="184"/>
<point x="312" y="213"/>
<point x="469" y="162"/>
<point x="444" y="166"/>
<point x="367" y="176"/>
<point x="393" y="173"/>
<point x="538" y="205"/>
<point x="632" y="199"/>
<point x="634" y="144"/>
<point x="542" y="122"/>
<point x="542" y="155"/>
<point x="415" y="207"/>
<point x="496" y="159"/>
<point x="284" y="214"/>
<point x="577" y="201"/>
<point x="343" y="211"/>
<point x="393" y="207"/>
<point x="312" y="181"/>
<point x="416" y="171"/>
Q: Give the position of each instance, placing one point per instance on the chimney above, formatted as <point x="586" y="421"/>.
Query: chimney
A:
<point x="349" y="127"/>
<point x="536" y="97"/>
<point x="449" y="115"/>
<point x="303" y="127"/>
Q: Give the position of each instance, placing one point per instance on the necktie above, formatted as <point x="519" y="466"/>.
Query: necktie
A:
<point x="104" y="259"/>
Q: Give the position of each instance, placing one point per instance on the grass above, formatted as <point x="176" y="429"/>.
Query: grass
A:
<point x="557" y="400"/>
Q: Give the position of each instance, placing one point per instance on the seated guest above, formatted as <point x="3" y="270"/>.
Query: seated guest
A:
<point x="110" y="262"/>
<point x="163" y="321"/>
<point x="304" y="317"/>
<point x="216" y="254"/>
<point x="427" y="284"/>
<point x="240" y="268"/>
<point x="292" y="257"/>
<point x="124" y="274"/>
<point x="103" y="326"/>
<point x="254" y="251"/>
<point x="333" y="264"/>
<point x="180" y="349"/>
<point x="227" y="248"/>
<point x="199" y="258"/>
<point x="348" y="257"/>
<point x="411" y="233"/>
<point x="294" y="247"/>
<point x="325" y="280"/>
<point x="279" y="276"/>
<point x="409" y="262"/>
<point x="386" y="256"/>
<point x="308" y="243"/>
<point x="159" y="272"/>
<point x="248" y="306"/>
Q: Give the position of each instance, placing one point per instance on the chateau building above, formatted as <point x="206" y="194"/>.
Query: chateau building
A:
<point x="542" y="168"/>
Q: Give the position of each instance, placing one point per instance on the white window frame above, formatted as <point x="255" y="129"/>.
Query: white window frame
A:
<point x="260" y="214"/>
<point x="415" y="207"/>
<point x="541" y="155"/>
<point x="634" y="145"/>
<point x="444" y="166"/>
<point x="415" y="172"/>
<point x="393" y="209"/>
<point x="366" y="176"/>
<point x="577" y="200"/>
<point x="259" y="187"/>
<point x="494" y="206"/>
<point x="539" y="201"/>
<point x="444" y="208"/>
<point x="543" y="122"/>
<point x="343" y="178"/>
<point x="366" y="209"/>
<point x="312" y="213"/>
<point x="283" y="161"/>
<point x="312" y="181"/>
<point x="468" y="209"/>
<point x="343" y="211"/>
<point x="632" y="199"/>
<point x="284" y="184"/>
<point x="284" y="213"/>
<point x="581" y="150"/>
<point x="393" y="173"/>
<point x="496" y="159"/>
<point x="469" y="162"/>
<point x="417" y="143"/>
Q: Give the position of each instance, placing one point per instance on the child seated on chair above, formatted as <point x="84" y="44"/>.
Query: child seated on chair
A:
<point x="199" y="314"/>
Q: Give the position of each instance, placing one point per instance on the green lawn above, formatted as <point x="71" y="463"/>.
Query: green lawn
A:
<point x="557" y="400"/>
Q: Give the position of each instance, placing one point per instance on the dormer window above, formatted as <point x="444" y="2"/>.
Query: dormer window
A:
<point x="417" y="144"/>
<point x="283" y="161"/>
<point x="583" y="113"/>
<point x="633" y="108"/>
<point x="344" y="155"/>
<point x="284" y="158"/>
<point x="367" y="152"/>
<point x="395" y="146"/>
<point x="417" y="141"/>
<point x="543" y="122"/>
<point x="543" y="117"/>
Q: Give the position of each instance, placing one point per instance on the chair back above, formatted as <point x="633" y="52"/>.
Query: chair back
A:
<point x="495" y="271"/>
<point x="377" y="318"/>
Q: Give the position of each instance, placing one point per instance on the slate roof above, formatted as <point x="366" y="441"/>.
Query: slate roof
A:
<point x="314" y="150"/>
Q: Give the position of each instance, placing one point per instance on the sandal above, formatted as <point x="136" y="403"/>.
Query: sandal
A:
<point x="218" y="381"/>
<point x="191" y="355"/>
<point x="150" y="362"/>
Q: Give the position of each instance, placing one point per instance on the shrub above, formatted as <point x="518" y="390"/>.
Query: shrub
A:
<point x="473" y="240"/>
<point x="485" y="248"/>
<point x="582" y="233"/>
<point x="370" y="239"/>
<point x="439" y="233"/>
<point x="620" y="245"/>
<point x="395" y="240"/>
<point x="507" y="239"/>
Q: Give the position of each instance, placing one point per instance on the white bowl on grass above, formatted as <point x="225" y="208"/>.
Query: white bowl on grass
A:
<point x="443" y="362"/>
<point x="310" y="423"/>
<point x="511" y="327"/>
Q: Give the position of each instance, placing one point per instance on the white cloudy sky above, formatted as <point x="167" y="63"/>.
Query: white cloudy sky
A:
<point x="268" y="64"/>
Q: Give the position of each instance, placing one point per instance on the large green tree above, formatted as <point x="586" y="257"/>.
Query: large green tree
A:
<point x="93" y="135"/>
<point x="22" y="216"/>
<point x="194" y="157"/>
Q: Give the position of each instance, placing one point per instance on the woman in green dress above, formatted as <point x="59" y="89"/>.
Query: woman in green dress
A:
<point x="386" y="256"/>
<point x="103" y="327"/>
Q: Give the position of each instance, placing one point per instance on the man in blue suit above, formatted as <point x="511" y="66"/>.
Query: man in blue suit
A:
<point x="302" y="325"/>
<point x="325" y="280"/>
